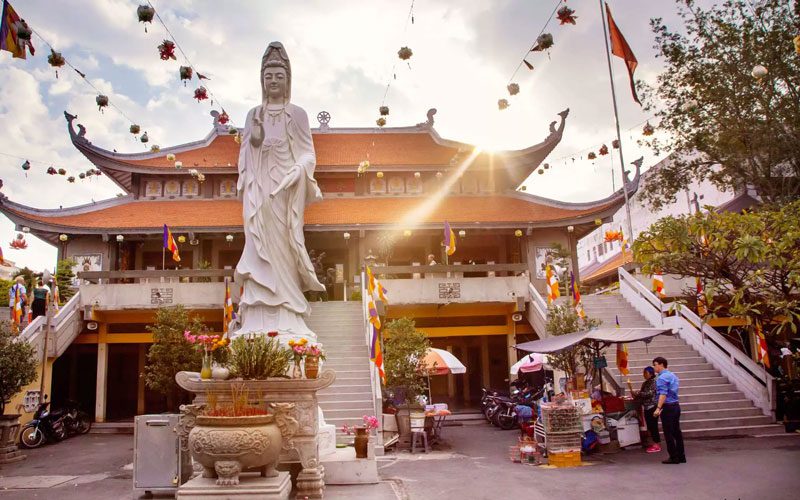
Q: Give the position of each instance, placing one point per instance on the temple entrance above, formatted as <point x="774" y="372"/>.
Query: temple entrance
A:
<point x="74" y="377"/>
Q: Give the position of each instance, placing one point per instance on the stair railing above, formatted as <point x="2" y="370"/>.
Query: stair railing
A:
<point x="537" y="312"/>
<point x="374" y="376"/>
<point x="65" y="326"/>
<point x="748" y="376"/>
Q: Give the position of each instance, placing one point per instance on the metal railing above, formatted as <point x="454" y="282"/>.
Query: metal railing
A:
<point x="748" y="376"/>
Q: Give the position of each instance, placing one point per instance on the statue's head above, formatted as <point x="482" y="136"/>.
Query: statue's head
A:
<point x="276" y="75"/>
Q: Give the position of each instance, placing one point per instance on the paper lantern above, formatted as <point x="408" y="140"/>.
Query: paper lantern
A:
<point x="81" y="176"/>
<point x="223" y="118"/>
<point x="26" y="165"/>
<point x="155" y="148"/>
<point x="62" y="171"/>
<point x="166" y="50"/>
<point x="144" y="138"/>
<point x="200" y="94"/>
<point x="502" y="104"/>
<point x="135" y="129"/>
<point x="229" y="238"/>
<point x="591" y="156"/>
<point x="603" y="150"/>
<point x="145" y="14"/>
<point x="513" y="88"/>
<point x="71" y="179"/>
<point x="178" y="165"/>
<point x="379" y="175"/>
<point x="56" y="60"/>
<point x="381" y="121"/>
<point x="546" y="166"/>
<point x="543" y="42"/>
<point x="102" y="102"/>
<point x="170" y="157"/>
<point x="615" y="144"/>
<point x="181" y="239"/>
<point x="186" y="73"/>
<point x="404" y="53"/>
<point x="383" y="110"/>
<point x="518" y="233"/>
<point x="540" y="171"/>
<point x="120" y="238"/>
<point x="417" y="175"/>
<point x="51" y="171"/>
<point x="63" y="237"/>
<point x="566" y="15"/>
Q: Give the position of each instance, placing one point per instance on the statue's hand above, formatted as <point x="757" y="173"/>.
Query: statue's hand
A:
<point x="290" y="180"/>
<point x="257" y="130"/>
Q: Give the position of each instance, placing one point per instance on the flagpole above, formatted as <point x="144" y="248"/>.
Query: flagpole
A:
<point x="163" y="258"/>
<point x="616" y="118"/>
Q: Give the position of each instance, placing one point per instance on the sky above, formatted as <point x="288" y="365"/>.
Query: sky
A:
<point x="343" y="56"/>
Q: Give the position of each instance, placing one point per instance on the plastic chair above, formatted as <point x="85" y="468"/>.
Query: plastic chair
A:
<point x="418" y="433"/>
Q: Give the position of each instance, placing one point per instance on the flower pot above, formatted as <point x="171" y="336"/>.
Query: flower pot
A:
<point x="220" y="373"/>
<point x="225" y="446"/>
<point x="312" y="366"/>
<point x="361" y="442"/>
<point x="205" y="371"/>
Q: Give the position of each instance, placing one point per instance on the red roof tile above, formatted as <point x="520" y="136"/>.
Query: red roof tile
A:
<point x="332" y="150"/>
<point x="332" y="211"/>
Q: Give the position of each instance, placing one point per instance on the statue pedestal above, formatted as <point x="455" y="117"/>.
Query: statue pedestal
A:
<point x="251" y="487"/>
<point x="9" y="436"/>
<point x="302" y="419"/>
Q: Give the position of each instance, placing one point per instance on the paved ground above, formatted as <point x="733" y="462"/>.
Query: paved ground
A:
<point x="476" y="466"/>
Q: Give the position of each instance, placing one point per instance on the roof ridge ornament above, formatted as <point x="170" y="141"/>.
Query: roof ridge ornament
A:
<point x="81" y="135"/>
<point x="429" y="122"/>
<point x="323" y="117"/>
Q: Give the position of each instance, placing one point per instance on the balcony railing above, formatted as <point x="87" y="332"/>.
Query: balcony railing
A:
<point x="457" y="271"/>
<point x="156" y="276"/>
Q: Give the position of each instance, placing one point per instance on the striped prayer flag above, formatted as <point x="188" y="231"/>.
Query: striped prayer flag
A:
<point x="169" y="244"/>
<point x="552" y="285"/>
<point x="227" y="308"/>
<point x="10" y="24"/>
<point x="622" y="353"/>
<point x="658" y="285"/>
<point x="449" y="239"/>
<point x="702" y="305"/>
<point x="376" y="354"/>
<point x="374" y="318"/>
<point x="576" y="295"/>
<point x="370" y="282"/>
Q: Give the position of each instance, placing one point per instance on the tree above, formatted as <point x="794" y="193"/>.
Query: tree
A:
<point x="749" y="262"/>
<point x="64" y="278"/>
<point x="561" y="320"/>
<point x="171" y="352"/>
<point x="722" y="123"/>
<point x="404" y="350"/>
<point x="17" y="365"/>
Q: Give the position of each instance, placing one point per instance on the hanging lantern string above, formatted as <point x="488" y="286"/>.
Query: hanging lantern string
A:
<point x="186" y="58"/>
<point x="83" y="77"/>
<point x="522" y="61"/>
<point x="595" y="147"/>
<point x="409" y="17"/>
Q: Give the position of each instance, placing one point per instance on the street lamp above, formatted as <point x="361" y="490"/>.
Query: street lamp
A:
<point x="120" y="238"/>
<point x="462" y="233"/>
<point x="346" y="236"/>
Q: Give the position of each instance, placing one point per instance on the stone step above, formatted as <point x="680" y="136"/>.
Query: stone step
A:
<point x="345" y="387"/>
<point x="704" y="370"/>
<point x="710" y="414"/>
<point x="711" y="396"/>
<point x="710" y="423"/>
<point x="351" y="413"/>
<point x="743" y="430"/>
<point x="337" y="396"/>
<point x="707" y="389"/>
<point x="639" y="348"/>
<point x="345" y="404"/>
<point x="718" y="405"/>
<point x="694" y="382"/>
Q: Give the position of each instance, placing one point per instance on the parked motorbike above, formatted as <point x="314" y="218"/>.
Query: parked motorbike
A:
<point x="505" y="416"/>
<point x="54" y="425"/>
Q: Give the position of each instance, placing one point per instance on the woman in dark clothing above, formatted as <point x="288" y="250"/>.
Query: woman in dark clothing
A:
<point x="41" y="294"/>
<point x="647" y="398"/>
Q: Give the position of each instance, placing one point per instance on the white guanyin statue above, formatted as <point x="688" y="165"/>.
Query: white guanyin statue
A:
<point x="276" y="182"/>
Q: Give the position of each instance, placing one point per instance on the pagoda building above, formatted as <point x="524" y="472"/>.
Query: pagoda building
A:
<point x="477" y="303"/>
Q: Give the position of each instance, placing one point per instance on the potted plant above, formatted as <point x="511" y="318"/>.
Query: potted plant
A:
<point x="207" y="345"/>
<point x="314" y="353"/>
<point x="362" y="432"/>
<point x="256" y="357"/>
<point x="562" y="319"/>
<point x="17" y="369"/>
<point x="404" y="350"/>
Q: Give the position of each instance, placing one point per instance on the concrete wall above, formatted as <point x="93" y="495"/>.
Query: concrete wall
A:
<point x="90" y="245"/>
<point x="456" y="290"/>
<point x="143" y="295"/>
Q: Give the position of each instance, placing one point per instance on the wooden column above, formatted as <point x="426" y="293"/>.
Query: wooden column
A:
<point x="485" y="360"/>
<point x="140" y="408"/>
<point x="102" y="379"/>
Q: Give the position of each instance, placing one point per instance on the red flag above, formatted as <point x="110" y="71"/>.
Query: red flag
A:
<point x="621" y="49"/>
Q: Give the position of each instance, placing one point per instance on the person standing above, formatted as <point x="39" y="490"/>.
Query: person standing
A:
<point x="18" y="291"/>
<point x="41" y="299"/>
<point x="668" y="407"/>
<point x="647" y="397"/>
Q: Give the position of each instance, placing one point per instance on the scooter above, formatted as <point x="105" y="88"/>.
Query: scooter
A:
<point x="46" y="426"/>
<point x="75" y="420"/>
<point x="506" y="416"/>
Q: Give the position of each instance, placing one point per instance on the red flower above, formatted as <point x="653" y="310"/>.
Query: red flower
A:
<point x="272" y="334"/>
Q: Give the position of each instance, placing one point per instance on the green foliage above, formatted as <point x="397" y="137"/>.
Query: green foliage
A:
<point x="724" y="124"/>
<point x="5" y="287"/>
<point x="404" y="350"/>
<point x="203" y="279"/>
<point x="749" y="262"/>
<point x="18" y="365"/>
<point x="561" y="320"/>
<point x="355" y="296"/>
<point x="64" y="278"/>
<point x="170" y="352"/>
<point x="259" y="357"/>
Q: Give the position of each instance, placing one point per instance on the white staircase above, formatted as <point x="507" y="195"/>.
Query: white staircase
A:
<point x="711" y="405"/>
<point x="340" y="328"/>
<point x="65" y="325"/>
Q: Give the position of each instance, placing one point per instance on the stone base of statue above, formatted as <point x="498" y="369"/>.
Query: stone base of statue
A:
<point x="251" y="487"/>
<point x="9" y="436"/>
<point x="296" y="402"/>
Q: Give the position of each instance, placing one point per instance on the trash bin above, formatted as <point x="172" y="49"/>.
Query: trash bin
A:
<point x="159" y="465"/>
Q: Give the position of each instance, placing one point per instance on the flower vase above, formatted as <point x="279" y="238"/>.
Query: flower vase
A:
<point x="297" y="372"/>
<point x="361" y="443"/>
<point x="205" y="372"/>
<point x="312" y="366"/>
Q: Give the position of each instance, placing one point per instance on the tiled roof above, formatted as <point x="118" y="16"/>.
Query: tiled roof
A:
<point x="605" y="268"/>
<point x="332" y="150"/>
<point x="458" y="210"/>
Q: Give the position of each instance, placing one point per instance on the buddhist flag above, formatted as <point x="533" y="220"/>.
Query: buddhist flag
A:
<point x="373" y="314"/>
<point x="622" y="354"/>
<point x="552" y="285"/>
<point x="169" y="244"/>
<point x="576" y="295"/>
<point x="702" y="305"/>
<point x="621" y="49"/>
<point x="375" y="353"/>
<point x="10" y="23"/>
<point x="370" y="282"/>
<point x="658" y="285"/>
<point x="449" y="239"/>
<point x="381" y="291"/>
<point x="227" y="308"/>
<point x="763" y="354"/>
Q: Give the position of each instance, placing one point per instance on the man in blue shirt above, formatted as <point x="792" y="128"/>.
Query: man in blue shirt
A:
<point x="670" y="410"/>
